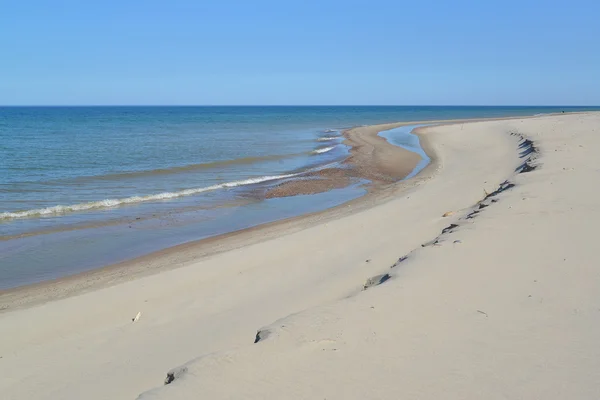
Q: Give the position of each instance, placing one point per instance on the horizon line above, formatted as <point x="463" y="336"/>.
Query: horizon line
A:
<point x="296" y="105"/>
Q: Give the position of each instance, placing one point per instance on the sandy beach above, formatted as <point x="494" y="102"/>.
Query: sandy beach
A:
<point x="381" y="298"/>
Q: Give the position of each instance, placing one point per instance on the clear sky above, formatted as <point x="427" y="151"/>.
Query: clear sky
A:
<point x="478" y="52"/>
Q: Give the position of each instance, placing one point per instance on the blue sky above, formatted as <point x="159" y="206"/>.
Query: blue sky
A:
<point x="300" y="52"/>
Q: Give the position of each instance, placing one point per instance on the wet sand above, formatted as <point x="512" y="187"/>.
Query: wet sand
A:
<point x="371" y="158"/>
<point x="314" y="183"/>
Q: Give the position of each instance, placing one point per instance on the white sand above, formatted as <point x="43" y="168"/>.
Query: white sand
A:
<point x="512" y="311"/>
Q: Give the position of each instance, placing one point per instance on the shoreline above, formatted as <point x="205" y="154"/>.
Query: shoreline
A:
<point x="161" y="260"/>
<point x="459" y="277"/>
<point x="503" y="303"/>
<point x="178" y="256"/>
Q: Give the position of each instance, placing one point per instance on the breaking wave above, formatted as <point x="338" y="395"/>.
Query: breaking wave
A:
<point x="323" y="150"/>
<point x="188" y="168"/>
<point x="110" y="203"/>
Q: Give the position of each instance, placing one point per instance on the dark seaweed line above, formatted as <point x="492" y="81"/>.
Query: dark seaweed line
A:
<point x="529" y="152"/>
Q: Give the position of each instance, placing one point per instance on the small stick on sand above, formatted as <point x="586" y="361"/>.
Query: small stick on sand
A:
<point x="138" y="315"/>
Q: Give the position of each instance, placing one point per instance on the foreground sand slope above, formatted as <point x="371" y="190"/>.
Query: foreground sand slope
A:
<point x="87" y="346"/>
<point x="505" y="306"/>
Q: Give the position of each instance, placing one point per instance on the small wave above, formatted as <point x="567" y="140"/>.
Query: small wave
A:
<point x="323" y="150"/>
<point x="110" y="203"/>
<point x="327" y="138"/>
<point x="331" y="130"/>
<point x="186" y="168"/>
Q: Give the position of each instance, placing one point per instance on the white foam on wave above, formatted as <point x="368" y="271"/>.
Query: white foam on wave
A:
<point x="323" y="150"/>
<point x="109" y="203"/>
<point x="331" y="130"/>
<point x="327" y="139"/>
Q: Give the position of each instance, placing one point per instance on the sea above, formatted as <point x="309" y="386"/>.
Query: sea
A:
<point x="85" y="187"/>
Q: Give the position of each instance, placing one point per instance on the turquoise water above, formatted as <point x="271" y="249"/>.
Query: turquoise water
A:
<point x="403" y="137"/>
<point x="82" y="187"/>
